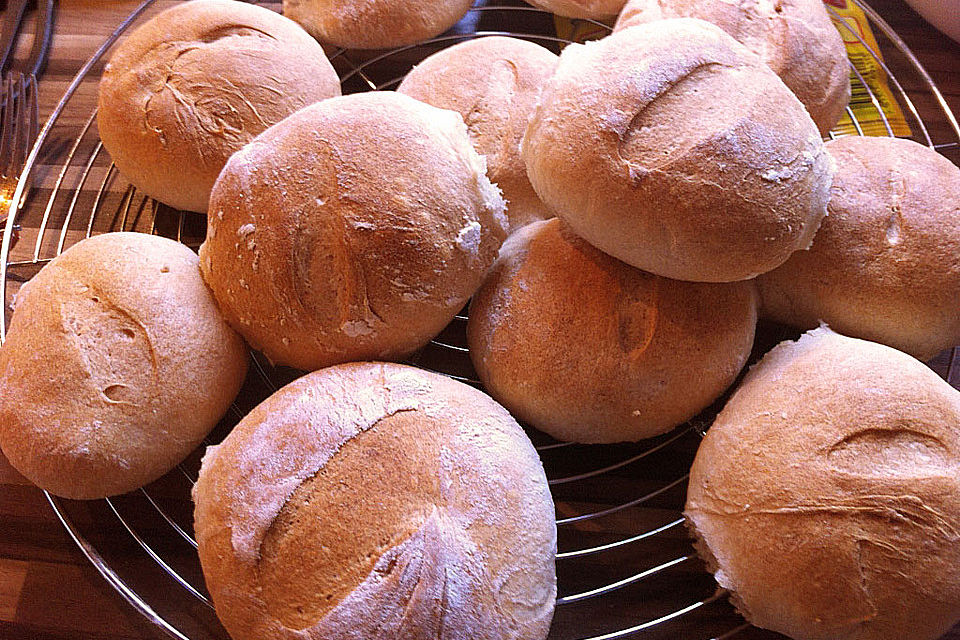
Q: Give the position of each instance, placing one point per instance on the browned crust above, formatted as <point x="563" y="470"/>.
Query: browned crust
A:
<point x="827" y="493"/>
<point x="592" y="9"/>
<point x="461" y="546"/>
<point x="116" y="365"/>
<point x="196" y="83"/>
<point x="885" y="265"/>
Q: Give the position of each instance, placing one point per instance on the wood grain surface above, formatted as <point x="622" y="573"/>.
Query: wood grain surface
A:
<point x="49" y="591"/>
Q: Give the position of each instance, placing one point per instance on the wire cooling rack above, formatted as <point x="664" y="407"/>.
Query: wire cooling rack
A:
<point x="625" y="565"/>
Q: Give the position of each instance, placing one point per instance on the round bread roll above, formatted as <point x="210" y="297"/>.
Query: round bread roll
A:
<point x="673" y="148"/>
<point x="587" y="348"/>
<point x="353" y="230"/>
<point x="826" y="495"/>
<point x="494" y="84"/>
<point x="795" y="38"/>
<point x="196" y="83"/>
<point x="374" y="500"/>
<point x="597" y="9"/>
<point x="375" y="24"/>
<point x="885" y="264"/>
<point x="116" y="365"/>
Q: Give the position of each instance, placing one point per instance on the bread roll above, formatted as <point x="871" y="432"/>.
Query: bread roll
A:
<point x="587" y="348"/>
<point x="673" y="148"/>
<point x="885" y="265"/>
<point x="494" y="84"/>
<point x="197" y="82"/>
<point x="353" y="230"/>
<point x="375" y="24"/>
<point x="826" y="495"/>
<point x="795" y="38"/>
<point x="377" y="501"/>
<point x="581" y="8"/>
<point x="116" y="365"/>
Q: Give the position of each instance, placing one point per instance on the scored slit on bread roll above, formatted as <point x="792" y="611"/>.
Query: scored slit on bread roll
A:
<point x="826" y="495"/>
<point x="671" y="146"/>
<point x="493" y="82"/>
<point x="355" y="229"/>
<point x="587" y="348"/>
<point x="116" y="366"/>
<point x="373" y="500"/>
<point x="375" y="24"/>
<point x="795" y="38"/>
<point x="885" y="264"/>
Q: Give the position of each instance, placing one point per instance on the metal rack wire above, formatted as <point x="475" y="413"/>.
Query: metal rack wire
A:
<point x="625" y="567"/>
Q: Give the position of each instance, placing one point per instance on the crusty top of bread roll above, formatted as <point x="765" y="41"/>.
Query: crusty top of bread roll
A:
<point x="375" y="24"/>
<point x="494" y="83"/>
<point x="197" y="82"/>
<point x="355" y="229"/>
<point x="671" y="146"/>
<point x="377" y="500"/>
<point x="587" y="348"/>
<point x="116" y="365"/>
<point x="885" y="264"/>
<point x="795" y="38"/>
<point x="827" y="493"/>
<point x="581" y="8"/>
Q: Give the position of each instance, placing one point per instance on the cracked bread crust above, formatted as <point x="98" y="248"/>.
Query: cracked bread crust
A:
<point x="197" y="82"/>
<point x="353" y="230"/>
<point x="117" y="364"/>
<point x="377" y="500"/>
<point x="672" y="147"/>
<point x="826" y="495"/>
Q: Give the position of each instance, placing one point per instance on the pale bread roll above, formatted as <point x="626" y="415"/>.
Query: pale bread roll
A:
<point x="494" y="83"/>
<point x="377" y="501"/>
<point x="826" y="496"/>
<point x="795" y="38"/>
<point x="885" y="264"/>
<point x="353" y="230"/>
<point x="673" y="148"/>
<point x="587" y="348"/>
<point x="197" y="82"/>
<point x="375" y="24"/>
<point x="597" y="9"/>
<point x="116" y="365"/>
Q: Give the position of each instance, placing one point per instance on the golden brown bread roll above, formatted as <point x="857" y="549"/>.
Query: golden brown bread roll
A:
<point x="826" y="496"/>
<point x="377" y="501"/>
<point x="116" y="365"/>
<point x="196" y="83"/>
<point x="587" y="348"/>
<point x="795" y="38"/>
<point x="673" y="148"/>
<point x="493" y="83"/>
<point x="885" y="264"/>
<point x="375" y="24"/>
<point x="581" y="8"/>
<point x="353" y="230"/>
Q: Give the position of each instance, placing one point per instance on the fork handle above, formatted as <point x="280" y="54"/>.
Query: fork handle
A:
<point x="41" y="38"/>
<point x="12" y="18"/>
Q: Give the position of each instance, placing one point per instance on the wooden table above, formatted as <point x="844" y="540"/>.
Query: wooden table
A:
<point x="48" y="590"/>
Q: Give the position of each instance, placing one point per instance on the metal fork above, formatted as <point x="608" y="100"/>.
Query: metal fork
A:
<point x="19" y="108"/>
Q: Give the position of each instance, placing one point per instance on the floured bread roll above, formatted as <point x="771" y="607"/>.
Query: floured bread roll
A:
<point x="196" y="83"/>
<point x="672" y="147"/>
<point x="377" y="501"/>
<point x="353" y="230"/>
<point x="826" y="496"/>
<point x="581" y="8"/>
<point x="116" y="366"/>
<point x="375" y="24"/>
<point x="795" y="38"/>
<point x="493" y="83"/>
<point x="885" y="264"/>
<point x="587" y="348"/>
